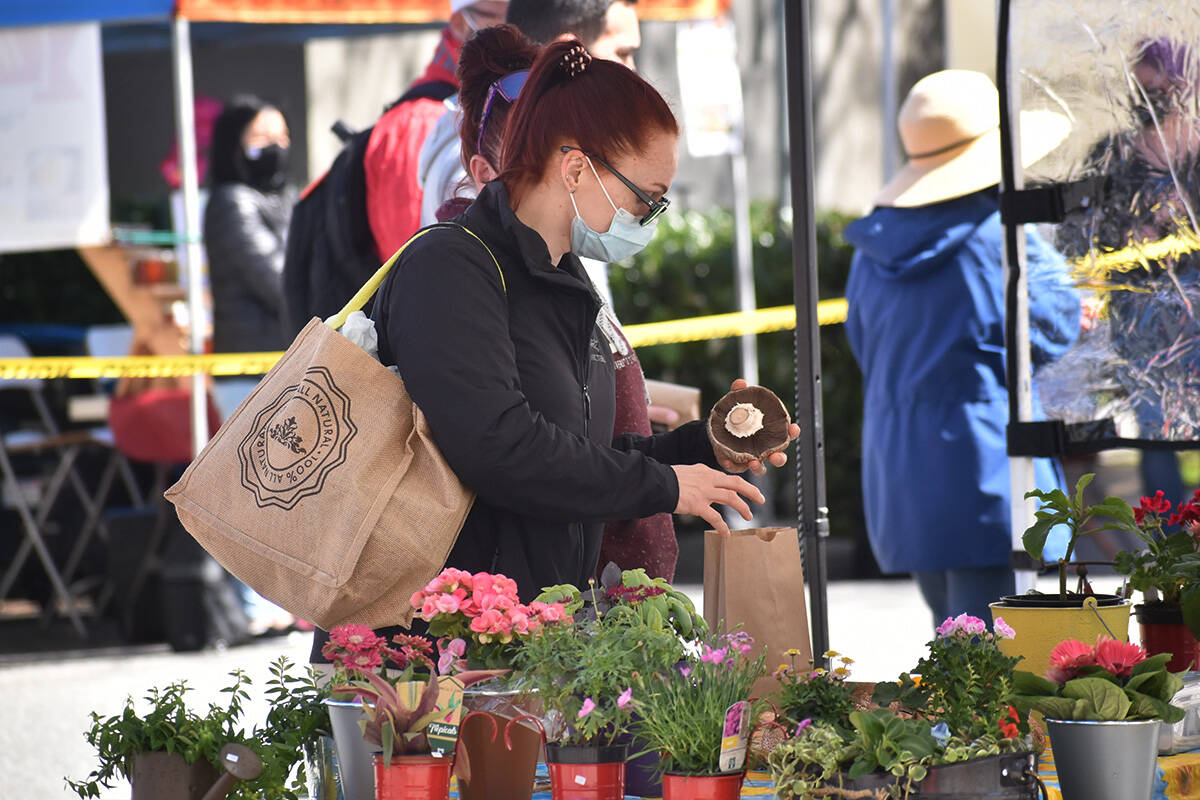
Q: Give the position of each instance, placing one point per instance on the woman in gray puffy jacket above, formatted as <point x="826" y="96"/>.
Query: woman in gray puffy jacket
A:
<point x="245" y="225"/>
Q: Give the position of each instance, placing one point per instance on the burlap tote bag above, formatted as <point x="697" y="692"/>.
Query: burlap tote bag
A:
<point x="324" y="491"/>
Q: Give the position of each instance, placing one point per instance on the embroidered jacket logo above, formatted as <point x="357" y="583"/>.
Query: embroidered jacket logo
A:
<point x="297" y="441"/>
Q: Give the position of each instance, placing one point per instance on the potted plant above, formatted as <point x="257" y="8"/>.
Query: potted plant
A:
<point x="397" y="715"/>
<point x="1103" y="704"/>
<point x="947" y="729"/>
<point x="816" y="694"/>
<point x="632" y="597"/>
<point x="697" y="717"/>
<point x="479" y="622"/>
<point x="297" y="729"/>
<point x="1167" y="571"/>
<point x="584" y="671"/>
<point x="170" y="751"/>
<point x="1040" y="620"/>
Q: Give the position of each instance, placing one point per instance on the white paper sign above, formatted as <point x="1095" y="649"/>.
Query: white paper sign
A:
<point x="54" y="172"/>
<point x="710" y="87"/>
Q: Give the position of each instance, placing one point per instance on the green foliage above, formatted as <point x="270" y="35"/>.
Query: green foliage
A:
<point x="1057" y="508"/>
<point x="965" y="681"/>
<point x="888" y="743"/>
<point x="681" y="713"/>
<point x="1169" y="566"/>
<point x="816" y="694"/>
<point x="1097" y="694"/>
<point x="297" y="716"/>
<point x="633" y="597"/>
<point x="593" y="662"/>
<point x="169" y="727"/>
<point x="687" y="270"/>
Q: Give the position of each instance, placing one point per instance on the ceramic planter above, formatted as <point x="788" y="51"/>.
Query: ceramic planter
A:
<point x="1104" y="760"/>
<point x="160" y="775"/>
<point x="498" y="772"/>
<point x="1162" y="631"/>
<point x="354" y="757"/>
<point x="586" y="773"/>
<point x="412" y="778"/>
<point x="1042" y="621"/>
<point x="676" y="786"/>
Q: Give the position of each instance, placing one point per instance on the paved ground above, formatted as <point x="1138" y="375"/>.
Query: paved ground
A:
<point x="47" y="698"/>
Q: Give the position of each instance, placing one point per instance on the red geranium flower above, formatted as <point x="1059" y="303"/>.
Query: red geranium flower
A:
<point x="1008" y="724"/>
<point x="1119" y="658"/>
<point x="1188" y="514"/>
<point x="1158" y="504"/>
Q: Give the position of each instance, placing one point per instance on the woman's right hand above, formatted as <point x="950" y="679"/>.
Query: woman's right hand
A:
<point x="701" y="486"/>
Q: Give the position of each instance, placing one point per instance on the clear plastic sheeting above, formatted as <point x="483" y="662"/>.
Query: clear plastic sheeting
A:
<point x="1128" y="75"/>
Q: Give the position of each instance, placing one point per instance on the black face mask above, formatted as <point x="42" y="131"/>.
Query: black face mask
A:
<point x="266" y="167"/>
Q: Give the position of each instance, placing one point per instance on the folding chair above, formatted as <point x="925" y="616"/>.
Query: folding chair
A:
<point x="47" y="438"/>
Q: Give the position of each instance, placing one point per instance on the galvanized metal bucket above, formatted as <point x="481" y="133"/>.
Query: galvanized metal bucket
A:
<point x="1105" y="760"/>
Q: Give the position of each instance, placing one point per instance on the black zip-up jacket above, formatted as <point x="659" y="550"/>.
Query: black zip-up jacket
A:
<point x="517" y="384"/>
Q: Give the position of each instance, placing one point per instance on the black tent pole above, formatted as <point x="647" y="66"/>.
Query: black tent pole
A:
<point x="810" y="451"/>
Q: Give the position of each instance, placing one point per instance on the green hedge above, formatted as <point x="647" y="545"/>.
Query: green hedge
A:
<point x="688" y="271"/>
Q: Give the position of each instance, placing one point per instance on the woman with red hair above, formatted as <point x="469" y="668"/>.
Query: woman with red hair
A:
<point x="493" y="326"/>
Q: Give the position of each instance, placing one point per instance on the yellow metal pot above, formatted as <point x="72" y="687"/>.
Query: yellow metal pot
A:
<point x="1040" y="628"/>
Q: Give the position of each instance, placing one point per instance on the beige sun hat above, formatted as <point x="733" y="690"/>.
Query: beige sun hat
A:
<point x="950" y="127"/>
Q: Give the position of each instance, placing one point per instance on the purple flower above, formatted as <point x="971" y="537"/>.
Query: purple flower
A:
<point x="685" y="671"/>
<point x="626" y="698"/>
<point x="587" y="708"/>
<point x="804" y="723"/>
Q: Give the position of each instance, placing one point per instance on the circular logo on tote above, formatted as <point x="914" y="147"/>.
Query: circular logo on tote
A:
<point x="297" y="441"/>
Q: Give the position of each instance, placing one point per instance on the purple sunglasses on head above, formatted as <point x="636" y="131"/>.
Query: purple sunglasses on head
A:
<point x="508" y="87"/>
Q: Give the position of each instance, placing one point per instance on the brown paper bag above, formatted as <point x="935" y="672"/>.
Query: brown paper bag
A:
<point x="755" y="578"/>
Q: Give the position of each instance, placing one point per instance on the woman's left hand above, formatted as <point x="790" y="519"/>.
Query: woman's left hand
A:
<point x="756" y="466"/>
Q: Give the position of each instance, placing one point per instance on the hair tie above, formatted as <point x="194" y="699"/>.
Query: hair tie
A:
<point x="575" y="61"/>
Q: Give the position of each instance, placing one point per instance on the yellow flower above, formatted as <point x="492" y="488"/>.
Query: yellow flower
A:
<point x="831" y="654"/>
<point x="846" y="660"/>
<point x="841" y="672"/>
<point x="791" y="651"/>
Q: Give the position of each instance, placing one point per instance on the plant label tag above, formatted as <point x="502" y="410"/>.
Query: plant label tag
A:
<point x="442" y="732"/>
<point x="735" y="737"/>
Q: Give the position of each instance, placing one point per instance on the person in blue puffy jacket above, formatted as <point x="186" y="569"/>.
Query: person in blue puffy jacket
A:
<point x="926" y="324"/>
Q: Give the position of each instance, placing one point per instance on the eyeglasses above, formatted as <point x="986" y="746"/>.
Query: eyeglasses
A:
<point x="509" y="88"/>
<point x="657" y="207"/>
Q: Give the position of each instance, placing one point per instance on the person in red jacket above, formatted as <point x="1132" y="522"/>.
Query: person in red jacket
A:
<point x="390" y="160"/>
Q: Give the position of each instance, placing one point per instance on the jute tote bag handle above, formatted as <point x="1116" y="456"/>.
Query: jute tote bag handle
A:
<point x="325" y="491"/>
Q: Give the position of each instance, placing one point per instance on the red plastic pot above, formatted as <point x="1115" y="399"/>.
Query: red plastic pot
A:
<point x="413" y="778"/>
<point x="702" y="787"/>
<point x="586" y="773"/>
<point x="1163" y="631"/>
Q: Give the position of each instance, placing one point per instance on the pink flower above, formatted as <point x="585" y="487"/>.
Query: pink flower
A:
<point x="804" y="723"/>
<point x="552" y="612"/>
<point x="1067" y="658"/>
<point x="355" y="637"/>
<point x="947" y="628"/>
<point x="417" y="600"/>
<point x="364" y="661"/>
<point x="451" y="655"/>
<point x="625" y="698"/>
<point x="1119" y="658"/>
<point x="1003" y="629"/>
<point x="447" y="603"/>
<point x="587" y="708"/>
<point x="714" y="656"/>
<point x="685" y="671"/>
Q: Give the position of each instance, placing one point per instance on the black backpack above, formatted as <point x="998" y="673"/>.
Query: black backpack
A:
<point x="330" y="249"/>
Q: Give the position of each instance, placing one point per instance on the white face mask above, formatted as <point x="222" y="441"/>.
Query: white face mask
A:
<point x="624" y="237"/>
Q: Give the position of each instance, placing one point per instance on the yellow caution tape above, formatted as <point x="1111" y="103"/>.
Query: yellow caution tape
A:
<point x="717" y="326"/>
<point x="137" y="366"/>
